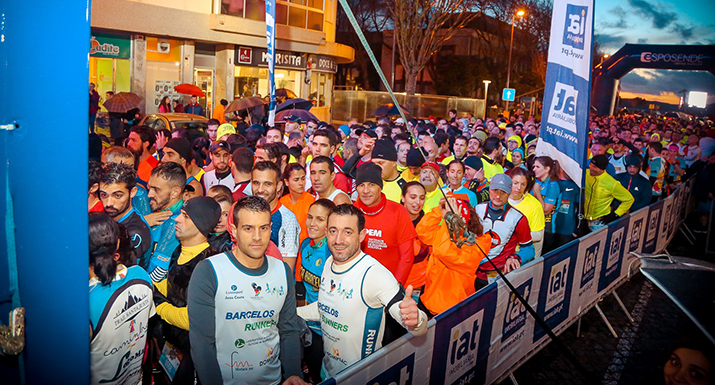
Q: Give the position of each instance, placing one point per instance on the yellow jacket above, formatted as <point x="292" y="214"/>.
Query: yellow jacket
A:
<point x="600" y="192"/>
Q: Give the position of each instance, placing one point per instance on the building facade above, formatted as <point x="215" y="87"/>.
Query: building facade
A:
<point x="148" y="47"/>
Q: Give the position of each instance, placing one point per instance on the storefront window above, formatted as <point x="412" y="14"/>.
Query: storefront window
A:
<point x="253" y="81"/>
<point x="109" y="63"/>
<point x="320" y="85"/>
<point x="163" y="72"/>
<point x="308" y="14"/>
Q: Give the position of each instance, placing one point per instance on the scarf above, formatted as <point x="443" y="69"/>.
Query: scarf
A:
<point x="372" y="210"/>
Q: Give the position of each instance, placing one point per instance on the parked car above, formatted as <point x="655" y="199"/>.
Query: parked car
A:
<point x="196" y="125"/>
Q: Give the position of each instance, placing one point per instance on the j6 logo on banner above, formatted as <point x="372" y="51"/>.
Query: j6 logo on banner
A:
<point x="563" y="106"/>
<point x="398" y="374"/>
<point x="575" y="26"/>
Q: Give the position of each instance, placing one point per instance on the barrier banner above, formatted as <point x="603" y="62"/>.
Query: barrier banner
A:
<point x="634" y="240"/>
<point x="555" y="289"/>
<point x="483" y="338"/>
<point x="405" y="361"/>
<point x="512" y="324"/>
<point x="651" y="235"/>
<point x="462" y="335"/>
<point x="588" y="269"/>
<point x="613" y="254"/>
<point x="564" y="131"/>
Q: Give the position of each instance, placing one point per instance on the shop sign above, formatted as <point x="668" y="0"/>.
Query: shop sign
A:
<point x="258" y="57"/>
<point x="111" y="46"/>
<point x="325" y="64"/>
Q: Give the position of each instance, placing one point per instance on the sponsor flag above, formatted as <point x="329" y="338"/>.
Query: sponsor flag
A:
<point x="271" y="53"/>
<point x="564" y="128"/>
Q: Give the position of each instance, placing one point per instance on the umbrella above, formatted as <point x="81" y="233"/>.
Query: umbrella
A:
<point x="285" y="93"/>
<point x="297" y="103"/>
<point x="122" y="102"/>
<point x="689" y="283"/>
<point x="189" y="89"/>
<point x="389" y="109"/>
<point x="302" y="114"/>
<point x="244" y="104"/>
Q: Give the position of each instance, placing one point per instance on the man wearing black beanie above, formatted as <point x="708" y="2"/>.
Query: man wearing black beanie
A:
<point x="600" y="191"/>
<point x="178" y="150"/>
<point x="385" y="156"/>
<point x="389" y="230"/>
<point x="198" y="218"/>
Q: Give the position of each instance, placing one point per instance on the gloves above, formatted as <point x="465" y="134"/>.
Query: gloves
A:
<point x="610" y="217"/>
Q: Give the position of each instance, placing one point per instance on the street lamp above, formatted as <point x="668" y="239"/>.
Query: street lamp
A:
<point x="604" y="57"/>
<point x="511" y="45"/>
<point x="486" y="103"/>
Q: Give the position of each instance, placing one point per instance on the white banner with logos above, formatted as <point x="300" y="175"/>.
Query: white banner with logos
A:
<point x="487" y="335"/>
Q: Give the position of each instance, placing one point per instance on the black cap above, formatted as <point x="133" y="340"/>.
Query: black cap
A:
<point x="205" y="212"/>
<point x="600" y="161"/>
<point x="293" y="118"/>
<point x="414" y="158"/>
<point x="474" y="162"/>
<point x="384" y="149"/>
<point x="369" y="172"/>
<point x="370" y="133"/>
<point x="181" y="146"/>
<point x="220" y="145"/>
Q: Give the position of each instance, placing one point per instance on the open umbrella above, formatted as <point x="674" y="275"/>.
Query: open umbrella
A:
<point x="244" y="104"/>
<point x="122" y="102"/>
<point x="302" y="114"/>
<point x="389" y="109"/>
<point x="690" y="283"/>
<point x="189" y="89"/>
<point x="285" y="93"/>
<point x="297" y="103"/>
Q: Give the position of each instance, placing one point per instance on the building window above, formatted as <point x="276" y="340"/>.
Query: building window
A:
<point x="308" y="14"/>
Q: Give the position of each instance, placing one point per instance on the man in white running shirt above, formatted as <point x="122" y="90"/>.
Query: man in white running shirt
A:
<point x="322" y="174"/>
<point x="354" y="291"/>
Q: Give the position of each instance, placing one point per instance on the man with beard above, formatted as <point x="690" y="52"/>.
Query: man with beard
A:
<point x="221" y="173"/>
<point x="166" y="189"/>
<point x="266" y="183"/>
<point x="352" y="308"/>
<point x="491" y="158"/>
<point x="178" y="150"/>
<point x="196" y="220"/>
<point x="242" y="305"/>
<point x="141" y="142"/>
<point x="117" y="188"/>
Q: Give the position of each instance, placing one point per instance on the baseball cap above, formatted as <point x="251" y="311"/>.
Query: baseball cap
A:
<point x="220" y="145"/>
<point x="434" y="165"/>
<point x="400" y="120"/>
<point x="501" y="182"/>
<point x="293" y="118"/>
<point x="224" y="129"/>
<point x="369" y="133"/>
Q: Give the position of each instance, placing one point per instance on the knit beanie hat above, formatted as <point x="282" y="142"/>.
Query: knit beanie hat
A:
<point x="600" y="161"/>
<point x="384" y="149"/>
<point x="474" y="162"/>
<point x="181" y="146"/>
<point x="205" y="212"/>
<point x="369" y="172"/>
<point x="414" y="158"/>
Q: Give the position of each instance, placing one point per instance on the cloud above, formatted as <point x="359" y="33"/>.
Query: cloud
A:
<point x="642" y="41"/>
<point x="659" y="17"/>
<point x="682" y="31"/>
<point x="664" y="85"/>
<point x="607" y="40"/>
<point x="620" y="21"/>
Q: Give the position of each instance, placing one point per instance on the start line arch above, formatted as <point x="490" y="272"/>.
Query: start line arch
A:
<point x="607" y="75"/>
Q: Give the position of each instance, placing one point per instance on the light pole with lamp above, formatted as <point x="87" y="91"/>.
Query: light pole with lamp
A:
<point x="511" y="45"/>
<point x="486" y="103"/>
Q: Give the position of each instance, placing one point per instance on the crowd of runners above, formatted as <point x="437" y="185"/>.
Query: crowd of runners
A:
<point x="261" y="255"/>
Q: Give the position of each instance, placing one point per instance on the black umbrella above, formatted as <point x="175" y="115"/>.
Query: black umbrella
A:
<point x="690" y="283"/>
<point x="389" y="109"/>
<point x="302" y="114"/>
<point x="297" y="104"/>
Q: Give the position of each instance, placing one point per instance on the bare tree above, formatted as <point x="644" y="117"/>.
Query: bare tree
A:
<point x="423" y="26"/>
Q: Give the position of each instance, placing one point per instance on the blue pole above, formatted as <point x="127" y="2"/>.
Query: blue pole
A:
<point x="43" y="88"/>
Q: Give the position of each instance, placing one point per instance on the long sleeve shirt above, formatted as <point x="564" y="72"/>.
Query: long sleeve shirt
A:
<point x="600" y="191"/>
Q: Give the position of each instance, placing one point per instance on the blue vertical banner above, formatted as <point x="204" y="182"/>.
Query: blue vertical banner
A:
<point x="271" y="48"/>
<point x="564" y="130"/>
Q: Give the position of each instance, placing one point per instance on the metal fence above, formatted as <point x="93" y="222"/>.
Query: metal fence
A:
<point x="349" y="104"/>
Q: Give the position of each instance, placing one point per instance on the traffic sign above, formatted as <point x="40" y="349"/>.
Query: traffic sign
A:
<point x="508" y="94"/>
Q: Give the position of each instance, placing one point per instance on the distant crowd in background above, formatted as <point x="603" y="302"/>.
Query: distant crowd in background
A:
<point x="254" y="254"/>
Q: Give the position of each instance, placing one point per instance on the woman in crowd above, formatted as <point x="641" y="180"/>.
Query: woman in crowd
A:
<point x="519" y="198"/>
<point x="451" y="270"/>
<point x="296" y="199"/>
<point x="165" y="105"/>
<point x="413" y="199"/>
<point x="120" y="305"/>
<point x="546" y="189"/>
<point x="313" y="253"/>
